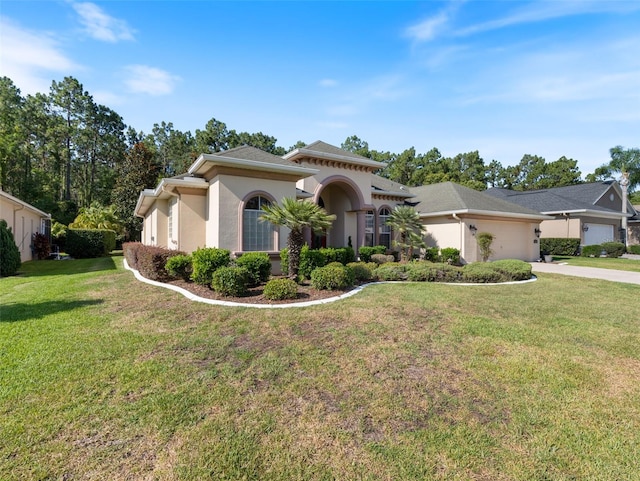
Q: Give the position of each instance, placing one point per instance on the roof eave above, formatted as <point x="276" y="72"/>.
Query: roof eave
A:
<point x="343" y="158"/>
<point x="494" y="213"/>
<point x="200" y="165"/>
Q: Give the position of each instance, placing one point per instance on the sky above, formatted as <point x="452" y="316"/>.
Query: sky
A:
<point x="506" y="78"/>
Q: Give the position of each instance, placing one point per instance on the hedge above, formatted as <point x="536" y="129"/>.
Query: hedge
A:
<point x="635" y="249"/>
<point x="560" y="246"/>
<point x="365" y="252"/>
<point x="88" y="243"/>
<point x="152" y="262"/>
<point x="591" y="251"/>
<point x="613" y="249"/>
<point x="130" y="251"/>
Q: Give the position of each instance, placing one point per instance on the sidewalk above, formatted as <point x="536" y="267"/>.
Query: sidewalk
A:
<point x="592" y="272"/>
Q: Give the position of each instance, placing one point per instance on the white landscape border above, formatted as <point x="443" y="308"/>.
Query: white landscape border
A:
<point x="192" y="297"/>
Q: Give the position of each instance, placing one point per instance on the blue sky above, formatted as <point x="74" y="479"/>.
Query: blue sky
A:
<point x="506" y="78"/>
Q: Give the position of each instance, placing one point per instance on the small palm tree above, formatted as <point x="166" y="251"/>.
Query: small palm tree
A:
<point x="405" y="222"/>
<point x="296" y="215"/>
<point x="98" y="217"/>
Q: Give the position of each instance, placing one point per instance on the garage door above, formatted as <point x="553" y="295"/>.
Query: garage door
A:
<point x="598" y="233"/>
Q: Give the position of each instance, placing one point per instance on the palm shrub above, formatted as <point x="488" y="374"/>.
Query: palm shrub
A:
<point x="405" y="222"/>
<point x="230" y="280"/>
<point x="206" y="261"/>
<point x="258" y="264"/>
<point x="279" y="289"/>
<point x="485" y="239"/>
<point x="180" y="266"/>
<point x="9" y="253"/>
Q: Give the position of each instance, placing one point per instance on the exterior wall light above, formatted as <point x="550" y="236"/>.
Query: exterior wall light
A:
<point x="585" y="228"/>
<point x="473" y="229"/>
<point x="537" y="232"/>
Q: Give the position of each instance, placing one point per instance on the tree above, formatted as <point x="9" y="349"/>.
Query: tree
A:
<point x="9" y="253"/>
<point x="214" y="138"/>
<point x="357" y="146"/>
<point x="622" y="160"/>
<point x="296" y="216"/>
<point x="405" y="222"/>
<point x="174" y="150"/>
<point x="97" y="216"/>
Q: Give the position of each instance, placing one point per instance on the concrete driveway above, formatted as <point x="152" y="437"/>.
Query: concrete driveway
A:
<point x="592" y="272"/>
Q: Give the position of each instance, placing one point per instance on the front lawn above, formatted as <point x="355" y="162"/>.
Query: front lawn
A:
<point x="602" y="262"/>
<point x="104" y="377"/>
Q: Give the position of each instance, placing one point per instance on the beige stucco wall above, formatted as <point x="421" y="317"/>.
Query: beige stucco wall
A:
<point x="361" y="180"/>
<point x="189" y="226"/>
<point x="566" y="227"/>
<point x="155" y="232"/>
<point x="23" y="223"/>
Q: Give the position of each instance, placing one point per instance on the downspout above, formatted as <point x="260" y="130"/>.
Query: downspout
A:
<point x="177" y="196"/>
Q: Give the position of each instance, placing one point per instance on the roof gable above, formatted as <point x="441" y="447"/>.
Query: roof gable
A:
<point x="322" y="153"/>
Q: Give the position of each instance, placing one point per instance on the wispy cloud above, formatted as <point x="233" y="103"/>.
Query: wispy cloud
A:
<point x="150" y="80"/>
<point x="429" y="28"/>
<point x="28" y="57"/>
<point x="101" y="26"/>
<point x="328" y="83"/>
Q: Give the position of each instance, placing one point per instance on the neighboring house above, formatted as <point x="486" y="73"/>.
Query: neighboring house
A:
<point x="591" y="212"/>
<point x="24" y="221"/>
<point x="454" y="214"/>
<point x="633" y="236"/>
<point x="218" y="202"/>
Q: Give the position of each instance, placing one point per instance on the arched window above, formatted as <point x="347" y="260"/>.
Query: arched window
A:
<point x="384" y="234"/>
<point x="256" y="235"/>
<point x="369" y="228"/>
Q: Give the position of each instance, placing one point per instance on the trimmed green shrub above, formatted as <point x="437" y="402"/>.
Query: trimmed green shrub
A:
<point x="425" y="271"/>
<point x="258" y="264"/>
<point x="365" y="252"/>
<point x="333" y="276"/>
<point x="512" y="269"/>
<point x="481" y="272"/>
<point x="130" y="251"/>
<point x="635" y="249"/>
<point x="361" y="270"/>
<point x="559" y="246"/>
<point x="206" y="261"/>
<point x="485" y="239"/>
<point x="180" y="266"/>
<point x="391" y="271"/>
<point x="591" y="251"/>
<point x="152" y="261"/>
<point x="279" y="289"/>
<point x="310" y="259"/>
<point x="431" y="254"/>
<point x="89" y="243"/>
<point x="450" y="255"/>
<point x="382" y="258"/>
<point x="230" y="281"/>
<point x="613" y="249"/>
<point x="9" y="253"/>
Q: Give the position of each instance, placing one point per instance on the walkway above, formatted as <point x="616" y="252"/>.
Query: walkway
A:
<point x="592" y="272"/>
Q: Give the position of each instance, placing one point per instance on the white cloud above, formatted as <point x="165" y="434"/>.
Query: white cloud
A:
<point x="29" y="57"/>
<point x="150" y="80"/>
<point x="328" y="83"/>
<point x="428" y="29"/>
<point x="101" y="26"/>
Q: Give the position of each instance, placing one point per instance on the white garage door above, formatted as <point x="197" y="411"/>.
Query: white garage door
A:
<point x="598" y="233"/>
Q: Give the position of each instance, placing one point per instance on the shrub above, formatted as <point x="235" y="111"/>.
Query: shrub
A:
<point x="485" y="239"/>
<point x="450" y="255"/>
<point x="40" y="245"/>
<point x="9" y="253"/>
<point x="634" y="249"/>
<point x="429" y="272"/>
<point x="431" y="254"/>
<point x="279" y="289"/>
<point x="512" y="269"/>
<point x="365" y="252"/>
<point x="310" y="259"/>
<point x="481" y="272"/>
<point x="591" y="251"/>
<point x="391" y="271"/>
<point x="206" y="261"/>
<point x="89" y="243"/>
<point x="152" y="261"/>
<point x="130" y="251"/>
<point x="332" y="277"/>
<point x="559" y="246"/>
<point x="258" y="264"/>
<point x="59" y="235"/>
<point x="361" y="270"/>
<point x="230" y="281"/>
<point x="179" y="266"/>
<point x="382" y="258"/>
<point x="613" y="249"/>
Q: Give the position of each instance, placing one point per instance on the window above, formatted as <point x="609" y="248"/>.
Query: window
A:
<point x="369" y="228"/>
<point x="170" y="220"/>
<point x="385" y="230"/>
<point x="256" y="235"/>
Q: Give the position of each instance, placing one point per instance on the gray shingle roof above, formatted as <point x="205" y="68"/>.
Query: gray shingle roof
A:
<point x="319" y="146"/>
<point x="385" y="185"/>
<point x="451" y="197"/>
<point x="247" y="152"/>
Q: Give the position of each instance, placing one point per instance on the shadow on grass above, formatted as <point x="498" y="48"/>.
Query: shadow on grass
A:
<point x="18" y="312"/>
<point x="66" y="267"/>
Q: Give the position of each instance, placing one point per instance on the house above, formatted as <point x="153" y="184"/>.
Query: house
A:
<point x="454" y="214"/>
<point x="591" y="212"/>
<point x="218" y="202"/>
<point x="24" y="221"/>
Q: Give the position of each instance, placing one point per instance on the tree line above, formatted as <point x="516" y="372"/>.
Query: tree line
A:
<point x="66" y="154"/>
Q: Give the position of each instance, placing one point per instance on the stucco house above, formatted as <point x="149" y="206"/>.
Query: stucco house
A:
<point x="24" y="221"/>
<point x="218" y="201"/>
<point x="591" y="212"/>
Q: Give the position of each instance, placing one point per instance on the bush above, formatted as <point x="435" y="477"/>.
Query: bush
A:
<point x="559" y="246"/>
<point x="634" y="249"/>
<point x="179" y="266"/>
<point x="485" y="239"/>
<point x="591" y="251"/>
<point x="152" y="261"/>
<point x="9" y="253"/>
<point x="361" y="270"/>
<point x="59" y="235"/>
<point x="310" y="259"/>
<point x="130" y="251"/>
<point x="512" y="269"/>
<point x="365" y="252"/>
<point x="431" y="254"/>
<point x="391" y="271"/>
<point x="279" y="289"/>
<point x="450" y="255"/>
<point x="428" y="272"/>
<point x="230" y="281"/>
<point x="481" y="272"/>
<point x="206" y="261"/>
<point x="332" y="277"/>
<point x="258" y="264"/>
<point x="613" y="249"/>
<point x="382" y="258"/>
<point x="40" y="245"/>
<point x="89" y="243"/>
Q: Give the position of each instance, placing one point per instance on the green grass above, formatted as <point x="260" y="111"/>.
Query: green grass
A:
<point x="602" y="262"/>
<point x="102" y="377"/>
